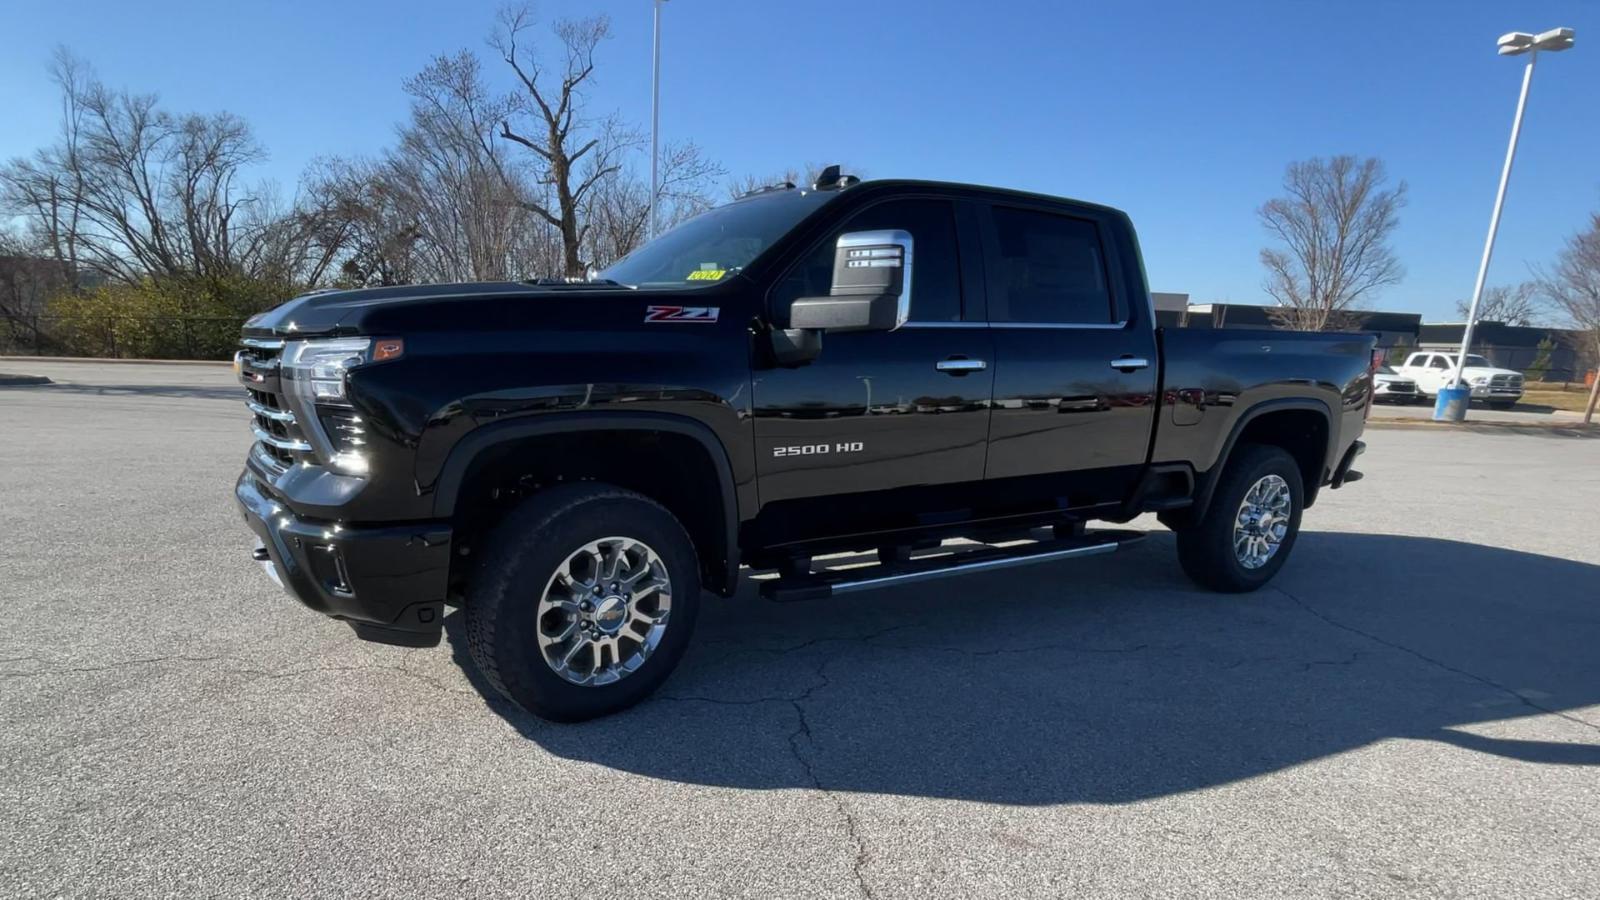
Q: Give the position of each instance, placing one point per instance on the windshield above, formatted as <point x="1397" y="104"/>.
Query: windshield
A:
<point x="1385" y="370"/>
<point x="716" y="244"/>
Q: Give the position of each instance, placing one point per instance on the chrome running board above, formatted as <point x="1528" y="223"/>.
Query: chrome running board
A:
<point x="820" y="585"/>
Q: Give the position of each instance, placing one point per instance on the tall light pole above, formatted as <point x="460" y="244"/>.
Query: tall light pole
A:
<point x="655" y="114"/>
<point x="1514" y="44"/>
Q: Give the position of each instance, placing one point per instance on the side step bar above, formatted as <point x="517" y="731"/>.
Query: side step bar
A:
<point x="824" y="584"/>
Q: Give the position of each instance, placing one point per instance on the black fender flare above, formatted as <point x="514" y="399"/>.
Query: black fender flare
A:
<point x="456" y="466"/>
<point x="1208" y="481"/>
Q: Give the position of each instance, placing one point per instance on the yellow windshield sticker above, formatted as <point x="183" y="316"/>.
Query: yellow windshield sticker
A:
<point x="706" y="275"/>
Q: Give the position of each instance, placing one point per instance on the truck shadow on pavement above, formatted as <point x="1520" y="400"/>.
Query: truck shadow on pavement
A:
<point x="1114" y="680"/>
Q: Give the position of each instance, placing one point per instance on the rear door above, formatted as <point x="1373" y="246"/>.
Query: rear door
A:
<point x="1075" y="354"/>
<point x="877" y="413"/>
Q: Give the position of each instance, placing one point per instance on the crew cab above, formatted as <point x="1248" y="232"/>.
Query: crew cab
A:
<point x="873" y="367"/>
<point x="1500" y="388"/>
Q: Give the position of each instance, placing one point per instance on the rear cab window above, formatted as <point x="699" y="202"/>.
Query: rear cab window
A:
<point x="1051" y="268"/>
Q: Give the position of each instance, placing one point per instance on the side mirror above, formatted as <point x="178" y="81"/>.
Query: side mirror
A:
<point x="871" y="286"/>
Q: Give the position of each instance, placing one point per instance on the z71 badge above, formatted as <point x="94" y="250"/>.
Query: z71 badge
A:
<point x="681" y="313"/>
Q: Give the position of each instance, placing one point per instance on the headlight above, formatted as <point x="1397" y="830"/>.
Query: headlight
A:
<point x="316" y="369"/>
<point x="1480" y="381"/>
<point x="314" y="375"/>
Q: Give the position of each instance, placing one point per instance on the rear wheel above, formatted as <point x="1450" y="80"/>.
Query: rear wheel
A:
<point x="583" y="602"/>
<point x="1251" y="525"/>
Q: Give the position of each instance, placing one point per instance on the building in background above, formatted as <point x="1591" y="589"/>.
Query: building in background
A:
<point x="1171" y="309"/>
<point x="1397" y="333"/>
<point x="1547" y="354"/>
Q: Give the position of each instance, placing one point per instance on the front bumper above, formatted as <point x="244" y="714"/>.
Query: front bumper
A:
<point x="388" y="583"/>
<point x="1400" y="394"/>
<point x="1485" y="392"/>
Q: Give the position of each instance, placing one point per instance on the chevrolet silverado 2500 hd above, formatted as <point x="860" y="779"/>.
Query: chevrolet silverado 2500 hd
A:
<point x="850" y="366"/>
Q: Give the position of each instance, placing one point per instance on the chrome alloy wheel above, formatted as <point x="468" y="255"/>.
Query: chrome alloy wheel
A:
<point x="604" y="611"/>
<point x="1262" y="521"/>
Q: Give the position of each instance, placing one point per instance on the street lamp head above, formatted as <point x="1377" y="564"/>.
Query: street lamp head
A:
<point x="1554" y="39"/>
<point x="1514" y="43"/>
<point x="1519" y="42"/>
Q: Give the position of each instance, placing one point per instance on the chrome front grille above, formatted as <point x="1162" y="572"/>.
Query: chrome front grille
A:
<point x="1506" y="382"/>
<point x="278" y="436"/>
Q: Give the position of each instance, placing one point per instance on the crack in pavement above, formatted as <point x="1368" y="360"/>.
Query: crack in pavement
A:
<point x="813" y="642"/>
<point x="803" y="730"/>
<point x="804" y="736"/>
<point x="121" y="664"/>
<point x="1481" y="679"/>
<point x="1036" y="648"/>
<point x="248" y="671"/>
<point x="851" y="827"/>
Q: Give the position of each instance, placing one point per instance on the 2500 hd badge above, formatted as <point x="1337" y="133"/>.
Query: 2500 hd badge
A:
<point x="819" y="449"/>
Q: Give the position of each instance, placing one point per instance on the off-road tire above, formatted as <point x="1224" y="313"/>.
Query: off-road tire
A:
<point x="517" y="562"/>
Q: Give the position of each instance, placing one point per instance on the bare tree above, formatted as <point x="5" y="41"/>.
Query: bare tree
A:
<point x="557" y="133"/>
<point x="361" y="226"/>
<point x="129" y="190"/>
<point x="455" y="180"/>
<point x="1573" y="287"/>
<point x="616" y="211"/>
<point x="28" y="278"/>
<point x="1511" y="304"/>
<point x="1335" y="223"/>
<point x="448" y="202"/>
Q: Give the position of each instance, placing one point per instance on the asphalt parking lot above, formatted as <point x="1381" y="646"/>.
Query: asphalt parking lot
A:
<point x="1413" y="710"/>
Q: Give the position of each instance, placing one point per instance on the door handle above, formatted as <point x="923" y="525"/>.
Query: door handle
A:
<point x="960" y="366"/>
<point x="1129" y="363"/>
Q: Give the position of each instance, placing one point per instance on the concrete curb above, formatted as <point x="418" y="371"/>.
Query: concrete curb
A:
<point x="96" y="359"/>
<point x="1575" y="427"/>
<point x="17" y="380"/>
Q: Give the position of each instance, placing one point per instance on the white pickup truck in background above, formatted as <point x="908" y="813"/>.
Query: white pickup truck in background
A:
<point x="1500" y="388"/>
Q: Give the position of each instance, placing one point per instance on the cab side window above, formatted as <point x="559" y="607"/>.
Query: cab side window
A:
<point x="1052" y="269"/>
<point x="935" y="260"/>
<point x="1438" y="362"/>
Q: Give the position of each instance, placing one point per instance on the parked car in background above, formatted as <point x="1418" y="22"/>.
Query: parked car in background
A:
<point x="1500" y="388"/>
<point x="1392" y="387"/>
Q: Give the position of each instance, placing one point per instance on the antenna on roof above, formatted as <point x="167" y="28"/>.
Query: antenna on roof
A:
<point x="830" y="179"/>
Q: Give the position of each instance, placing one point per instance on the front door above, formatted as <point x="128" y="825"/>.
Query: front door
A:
<point x="1075" y="358"/>
<point x="879" y="415"/>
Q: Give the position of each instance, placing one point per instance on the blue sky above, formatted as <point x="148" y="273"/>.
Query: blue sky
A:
<point x="1182" y="113"/>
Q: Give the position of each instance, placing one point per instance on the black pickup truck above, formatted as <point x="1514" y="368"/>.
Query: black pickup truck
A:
<point x="867" y="367"/>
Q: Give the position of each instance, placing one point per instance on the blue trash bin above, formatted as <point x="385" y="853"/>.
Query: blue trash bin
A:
<point x="1452" y="404"/>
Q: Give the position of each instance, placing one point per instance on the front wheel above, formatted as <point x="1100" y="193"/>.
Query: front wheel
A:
<point x="583" y="601"/>
<point x="1251" y="525"/>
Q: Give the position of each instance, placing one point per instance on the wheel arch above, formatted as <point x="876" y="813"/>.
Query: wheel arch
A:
<point x="713" y="526"/>
<point x="1302" y="426"/>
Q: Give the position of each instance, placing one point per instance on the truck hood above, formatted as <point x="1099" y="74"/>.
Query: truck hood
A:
<point x="336" y="312"/>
